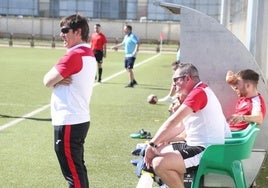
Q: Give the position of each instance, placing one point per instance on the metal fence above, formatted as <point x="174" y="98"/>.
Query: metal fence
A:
<point x="48" y="29"/>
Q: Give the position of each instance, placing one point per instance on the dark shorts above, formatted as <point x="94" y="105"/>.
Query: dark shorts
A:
<point x="129" y="62"/>
<point x="98" y="55"/>
<point x="190" y="154"/>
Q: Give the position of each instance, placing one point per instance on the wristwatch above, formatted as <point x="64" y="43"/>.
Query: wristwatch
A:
<point x="152" y="144"/>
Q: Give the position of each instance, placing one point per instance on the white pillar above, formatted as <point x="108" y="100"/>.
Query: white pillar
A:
<point x="252" y="17"/>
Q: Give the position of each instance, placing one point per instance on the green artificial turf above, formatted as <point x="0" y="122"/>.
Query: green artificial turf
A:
<point x="27" y="157"/>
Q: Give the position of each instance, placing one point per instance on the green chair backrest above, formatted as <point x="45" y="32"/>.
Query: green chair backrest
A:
<point x="244" y="132"/>
<point x="222" y="156"/>
<point x="226" y="159"/>
<point x="238" y="135"/>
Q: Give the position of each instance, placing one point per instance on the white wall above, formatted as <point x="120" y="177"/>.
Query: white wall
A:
<point x="45" y="28"/>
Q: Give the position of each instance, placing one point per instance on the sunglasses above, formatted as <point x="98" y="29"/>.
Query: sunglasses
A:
<point x="65" y="30"/>
<point x="177" y="78"/>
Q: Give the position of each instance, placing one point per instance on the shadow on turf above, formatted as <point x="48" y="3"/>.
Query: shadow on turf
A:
<point x="30" y="118"/>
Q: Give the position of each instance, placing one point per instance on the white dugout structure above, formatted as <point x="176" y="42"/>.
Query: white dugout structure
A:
<point x="214" y="50"/>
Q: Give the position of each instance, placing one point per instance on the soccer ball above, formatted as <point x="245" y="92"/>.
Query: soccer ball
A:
<point x="152" y="99"/>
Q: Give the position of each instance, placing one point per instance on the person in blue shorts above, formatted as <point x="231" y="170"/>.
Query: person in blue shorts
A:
<point x="131" y="43"/>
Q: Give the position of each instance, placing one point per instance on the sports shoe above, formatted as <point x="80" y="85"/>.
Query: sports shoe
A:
<point x="166" y="99"/>
<point x="135" y="161"/>
<point x="130" y="85"/>
<point x="141" y="134"/>
<point x="136" y="151"/>
<point x="134" y="82"/>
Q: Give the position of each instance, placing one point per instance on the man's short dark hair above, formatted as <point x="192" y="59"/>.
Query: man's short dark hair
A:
<point x="129" y="27"/>
<point x="249" y="75"/>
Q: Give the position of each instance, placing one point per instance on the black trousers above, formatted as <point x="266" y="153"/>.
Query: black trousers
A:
<point x="69" y="146"/>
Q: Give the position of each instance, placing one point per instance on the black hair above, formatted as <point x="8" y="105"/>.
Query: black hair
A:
<point x="129" y="27"/>
<point x="75" y="22"/>
<point x="249" y="75"/>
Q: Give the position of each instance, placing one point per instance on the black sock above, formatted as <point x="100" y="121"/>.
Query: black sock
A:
<point x="100" y="73"/>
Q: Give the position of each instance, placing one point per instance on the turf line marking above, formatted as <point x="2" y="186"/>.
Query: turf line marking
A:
<point x="24" y="117"/>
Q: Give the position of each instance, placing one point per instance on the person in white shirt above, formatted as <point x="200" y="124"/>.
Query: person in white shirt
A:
<point x="201" y="117"/>
<point x="71" y="80"/>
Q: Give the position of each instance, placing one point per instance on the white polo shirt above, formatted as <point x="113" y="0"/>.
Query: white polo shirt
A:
<point x="70" y="104"/>
<point x="207" y="124"/>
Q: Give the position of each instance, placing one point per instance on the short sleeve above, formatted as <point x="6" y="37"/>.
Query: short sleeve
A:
<point x="69" y="64"/>
<point x="197" y="99"/>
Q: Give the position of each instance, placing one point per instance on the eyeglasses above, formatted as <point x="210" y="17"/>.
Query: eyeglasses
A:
<point x="177" y="78"/>
<point x="65" y="30"/>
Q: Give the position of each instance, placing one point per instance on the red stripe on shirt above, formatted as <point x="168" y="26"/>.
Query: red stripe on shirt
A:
<point x="72" y="62"/>
<point x="197" y="98"/>
<point x="68" y="154"/>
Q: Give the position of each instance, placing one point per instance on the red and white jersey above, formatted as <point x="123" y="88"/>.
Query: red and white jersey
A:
<point x="70" y="104"/>
<point x="247" y="106"/>
<point x="207" y="124"/>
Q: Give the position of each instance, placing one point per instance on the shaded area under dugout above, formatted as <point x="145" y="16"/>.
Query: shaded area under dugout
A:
<point x="214" y="50"/>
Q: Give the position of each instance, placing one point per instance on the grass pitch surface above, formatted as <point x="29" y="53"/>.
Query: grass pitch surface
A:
<point x="27" y="158"/>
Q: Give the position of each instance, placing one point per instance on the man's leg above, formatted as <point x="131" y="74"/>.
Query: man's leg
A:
<point x="129" y="64"/>
<point x="99" y="56"/>
<point x="171" y="164"/>
<point x="99" y="71"/>
<point x="78" y="136"/>
<point x="131" y="75"/>
<point x="69" y="147"/>
<point x="59" y="149"/>
<point x="170" y="168"/>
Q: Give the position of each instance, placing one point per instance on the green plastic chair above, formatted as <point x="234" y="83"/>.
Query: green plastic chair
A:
<point x="242" y="133"/>
<point x="236" y="135"/>
<point x="226" y="159"/>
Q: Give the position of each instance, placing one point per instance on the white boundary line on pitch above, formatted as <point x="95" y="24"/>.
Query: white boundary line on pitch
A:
<point x="121" y="72"/>
<point x="24" y="117"/>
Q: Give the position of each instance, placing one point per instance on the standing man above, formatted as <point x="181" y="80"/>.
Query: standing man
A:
<point x="72" y="80"/>
<point x="131" y="43"/>
<point x="201" y="117"/>
<point x="250" y="106"/>
<point x="98" y="45"/>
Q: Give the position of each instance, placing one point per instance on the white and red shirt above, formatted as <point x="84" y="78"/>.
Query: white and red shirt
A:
<point x="70" y="104"/>
<point x="247" y="106"/>
<point x="207" y="124"/>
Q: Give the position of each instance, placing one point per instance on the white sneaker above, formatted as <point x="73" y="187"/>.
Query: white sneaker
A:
<point x="166" y="99"/>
